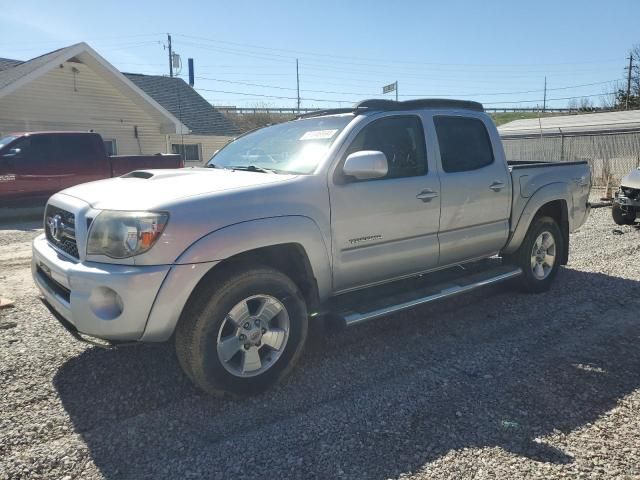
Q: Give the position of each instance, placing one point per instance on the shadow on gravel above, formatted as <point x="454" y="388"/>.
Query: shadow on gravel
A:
<point x="498" y="370"/>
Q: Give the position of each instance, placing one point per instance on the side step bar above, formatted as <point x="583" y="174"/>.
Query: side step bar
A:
<point x="378" y="304"/>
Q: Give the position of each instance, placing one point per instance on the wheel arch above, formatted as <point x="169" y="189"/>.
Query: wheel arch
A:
<point x="293" y="245"/>
<point x="553" y="201"/>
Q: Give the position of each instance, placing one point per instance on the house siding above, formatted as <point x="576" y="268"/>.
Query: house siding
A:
<point x="208" y="144"/>
<point x="54" y="102"/>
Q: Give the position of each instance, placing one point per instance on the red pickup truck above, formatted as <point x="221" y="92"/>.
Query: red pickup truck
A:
<point x="34" y="166"/>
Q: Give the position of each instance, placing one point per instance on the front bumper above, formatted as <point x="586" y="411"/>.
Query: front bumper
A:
<point x="625" y="201"/>
<point x="111" y="302"/>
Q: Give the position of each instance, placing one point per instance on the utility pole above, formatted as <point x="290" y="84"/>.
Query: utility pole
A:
<point x="544" y="101"/>
<point x="630" y="67"/>
<point x="298" y="84"/>
<point x="396" y="90"/>
<point x="170" y="56"/>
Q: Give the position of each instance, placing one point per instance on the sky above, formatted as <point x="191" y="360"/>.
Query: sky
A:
<point x="495" y="52"/>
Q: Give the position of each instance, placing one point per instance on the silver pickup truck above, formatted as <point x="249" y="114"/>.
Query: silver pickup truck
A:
<point x="347" y="214"/>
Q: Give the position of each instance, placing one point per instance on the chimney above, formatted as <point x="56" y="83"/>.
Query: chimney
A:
<point x="191" y="75"/>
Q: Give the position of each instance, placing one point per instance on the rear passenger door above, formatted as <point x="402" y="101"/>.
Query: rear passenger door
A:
<point x="476" y="190"/>
<point x="26" y="167"/>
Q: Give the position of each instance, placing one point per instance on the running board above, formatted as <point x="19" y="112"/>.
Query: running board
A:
<point x="379" y="301"/>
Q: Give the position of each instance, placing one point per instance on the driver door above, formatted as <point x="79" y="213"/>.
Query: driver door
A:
<point x="25" y="168"/>
<point x="387" y="227"/>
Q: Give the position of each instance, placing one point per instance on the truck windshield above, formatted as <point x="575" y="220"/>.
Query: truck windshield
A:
<point x="291" y="147"/>
<point x="6" y="140"/>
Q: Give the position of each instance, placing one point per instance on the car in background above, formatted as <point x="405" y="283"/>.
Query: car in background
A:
<point x="626" y="202"/>
<point x="34" y="166"/>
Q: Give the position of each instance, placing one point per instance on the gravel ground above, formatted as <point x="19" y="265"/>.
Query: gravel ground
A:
<point x="493" y="385"/>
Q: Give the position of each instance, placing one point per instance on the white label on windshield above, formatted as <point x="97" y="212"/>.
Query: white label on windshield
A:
<point x="318" y="134"/>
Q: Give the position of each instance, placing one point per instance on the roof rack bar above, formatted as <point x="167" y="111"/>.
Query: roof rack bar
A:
<point x="381" y="105"/>
<point x="390" y="105"/>
<point x="326" y="111"/>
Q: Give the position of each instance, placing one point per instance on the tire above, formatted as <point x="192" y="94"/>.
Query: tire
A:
<point x="621" y="216"/>
<point x="235" y="316"/>
<point x="537" y="275"/>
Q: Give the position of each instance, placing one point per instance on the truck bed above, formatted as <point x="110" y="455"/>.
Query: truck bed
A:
<point x="574" y="178"/>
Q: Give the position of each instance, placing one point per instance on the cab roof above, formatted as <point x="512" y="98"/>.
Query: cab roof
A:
<point x="381" y="105"/>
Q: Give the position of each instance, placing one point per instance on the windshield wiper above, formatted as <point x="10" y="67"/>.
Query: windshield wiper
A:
<point x="250" y="168"/>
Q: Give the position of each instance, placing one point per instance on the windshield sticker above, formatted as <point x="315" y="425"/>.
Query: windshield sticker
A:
<point x="318" y="135"/>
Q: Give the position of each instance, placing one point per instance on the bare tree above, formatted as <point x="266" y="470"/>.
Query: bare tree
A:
<point x="586" y="104"/>
<point x="260" y="117"/>
<point x="609" y="95"/>
<point x="572" y="104"/>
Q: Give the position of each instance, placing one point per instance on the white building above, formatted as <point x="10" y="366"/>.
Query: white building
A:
<point x="74" y="88"/>
<point x="609" y="141"/>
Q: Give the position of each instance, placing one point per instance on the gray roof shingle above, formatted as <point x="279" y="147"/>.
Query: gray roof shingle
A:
<point x="10" y="74"/>
<point x="175" y="95"/>
<point x="6" y="63"/>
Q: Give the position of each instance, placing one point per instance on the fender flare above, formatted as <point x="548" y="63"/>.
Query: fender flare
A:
<point x="265" y="232"/>
<point x="549" y="193"/>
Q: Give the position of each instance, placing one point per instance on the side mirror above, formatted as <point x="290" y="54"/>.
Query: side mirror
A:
<point x="366" y="165"/>
<point x="12" y="153"/>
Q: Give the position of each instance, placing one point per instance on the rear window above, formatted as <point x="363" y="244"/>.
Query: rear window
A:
<point x="464" y="143"/>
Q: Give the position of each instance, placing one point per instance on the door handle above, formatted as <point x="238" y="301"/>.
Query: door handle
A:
<point x="427" y="195"/>
<point x="496" y="186"/>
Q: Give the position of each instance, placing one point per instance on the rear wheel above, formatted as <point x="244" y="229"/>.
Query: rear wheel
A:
<point x="539" y="255"/>
<point x="623" y="216"/>
<point x="242" y="333"/>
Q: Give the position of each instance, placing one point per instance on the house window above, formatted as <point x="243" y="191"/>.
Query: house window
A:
<point x="110" y="147"/>
<point x="188" y="152"/>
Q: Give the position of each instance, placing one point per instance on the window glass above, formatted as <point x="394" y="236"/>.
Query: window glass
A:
<point x="401" y="139"/>
<point x="6" y="140"/>
<point x="188" y="152"/>
<point x="297" y="146"/>
<point x="34" y="148"/>
<point x="41" y="147"/>
<point x="110" y="147"/>
<point x="77" y="147"/>
<point x="464" y="143"/>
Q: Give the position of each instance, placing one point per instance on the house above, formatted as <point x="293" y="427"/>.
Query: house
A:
<point x="209" y="128"/>
<point x="74" y="88"/>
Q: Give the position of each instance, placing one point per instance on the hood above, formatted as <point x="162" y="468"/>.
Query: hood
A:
<point x="148" y="189"/>
<point x="632" y="180"/>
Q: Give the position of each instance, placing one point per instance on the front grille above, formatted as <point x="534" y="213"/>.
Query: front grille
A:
<point x="60" y="229"/>
<point x="632" y="193"/>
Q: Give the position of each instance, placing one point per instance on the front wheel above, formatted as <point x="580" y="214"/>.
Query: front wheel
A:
<point x="242" y="331"/>
<point x="539" y="255"/>
<point x="623" y="216"/>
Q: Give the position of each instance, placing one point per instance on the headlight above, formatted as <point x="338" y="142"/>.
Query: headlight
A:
<point x="125" y="234"/>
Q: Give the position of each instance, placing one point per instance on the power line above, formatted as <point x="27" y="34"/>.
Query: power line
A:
<point x="333" y="56"/>
<point x="347" y="67"/>
<point x="478" y="94"/>
<point x="279" y="97"/>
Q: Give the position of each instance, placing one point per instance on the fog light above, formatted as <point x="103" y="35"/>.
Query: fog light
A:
<point x="105" y="303"/>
